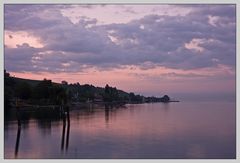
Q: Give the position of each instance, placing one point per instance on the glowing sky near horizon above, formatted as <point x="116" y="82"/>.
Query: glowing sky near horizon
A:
<point x="147" y="49"/>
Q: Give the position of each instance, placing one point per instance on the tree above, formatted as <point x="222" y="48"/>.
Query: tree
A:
<point x="57" y="94"/>
<point x="114" y="94"/>
<point x="8" y="80"/>
<point x="6" y="74"/>
<point x="111" y="94"/>
<point x="8" y="94"/>
<point x="23" y="90"/>
<point x="165" y="98"/>
<point x="107" y="89"/>
<point x="131" y="96"/>
<point x="42" y="89"/>
<point x="107" y="96"/>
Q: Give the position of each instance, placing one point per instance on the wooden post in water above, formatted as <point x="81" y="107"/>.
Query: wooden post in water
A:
<point x="18" y="113"/>
<point x="65" y="117"/>
<point x="18" y="118"/>
<point x="68" y="117"/>
<point x="68" y="125"/>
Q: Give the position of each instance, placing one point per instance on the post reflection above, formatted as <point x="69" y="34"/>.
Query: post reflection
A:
<point x="68" y="131"/>
<point x="17" y="141"/>
<point x="63" y="135"/>
<point x="166" y="107"/>
<point x="106" y="114"/>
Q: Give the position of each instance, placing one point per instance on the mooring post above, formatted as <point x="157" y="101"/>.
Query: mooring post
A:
<point x="64" y="117"/>
<point x="68" y="117"/>
<point x="18" y="113"/>
<point x="18" y="118"/>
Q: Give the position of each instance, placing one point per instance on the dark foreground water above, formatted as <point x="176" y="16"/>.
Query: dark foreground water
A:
<point x="174" y="130"/>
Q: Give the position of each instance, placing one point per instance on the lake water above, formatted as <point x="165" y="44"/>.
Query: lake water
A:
<point x="158" y="130"/>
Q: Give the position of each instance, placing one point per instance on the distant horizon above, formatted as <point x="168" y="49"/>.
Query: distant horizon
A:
<point x="179" y="50"/>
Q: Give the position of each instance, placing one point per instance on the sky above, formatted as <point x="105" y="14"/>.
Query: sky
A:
<point x="185" y="51"/>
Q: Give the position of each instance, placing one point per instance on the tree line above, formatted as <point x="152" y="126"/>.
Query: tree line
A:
<point x="44" y="92"/>
<point x="48" y="92"/>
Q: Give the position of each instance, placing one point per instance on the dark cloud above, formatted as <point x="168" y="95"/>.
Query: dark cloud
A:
<point x="215" y="10"/>
<point x="20" y="59"/>
<point x="155" y="39"/>
<point x="32" y="17"/>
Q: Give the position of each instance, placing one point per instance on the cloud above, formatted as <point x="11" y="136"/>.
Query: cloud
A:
<point x="153" y="40"/>
<point x="19" y="59"/>
<point x="32" y="18"/>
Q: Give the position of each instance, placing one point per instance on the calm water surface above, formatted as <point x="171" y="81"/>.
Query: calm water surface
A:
<point x="174" y="130"/>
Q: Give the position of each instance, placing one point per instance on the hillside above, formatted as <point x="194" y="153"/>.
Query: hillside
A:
<point x="45" y="91"/>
